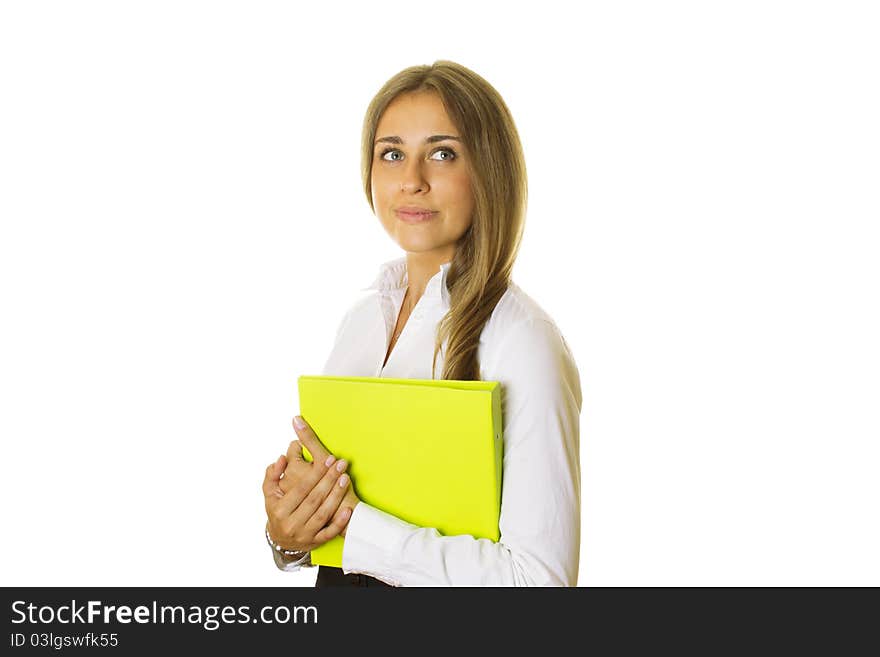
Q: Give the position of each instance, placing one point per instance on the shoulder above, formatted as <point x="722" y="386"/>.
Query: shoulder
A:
<point x="519" y="320"/>
<point x="358" y="307"/>
<point x="361" y="304"/>
<point x="358" y="310"/>
<point x="361" y="301"/>
<point x="522" y="344"/>
<point x="517" y="306"/>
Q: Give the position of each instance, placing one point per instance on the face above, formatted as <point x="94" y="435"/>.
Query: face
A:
<point x="413" y="169"/>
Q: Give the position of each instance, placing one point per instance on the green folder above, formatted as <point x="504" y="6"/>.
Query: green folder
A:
<point x="427" y="451"/>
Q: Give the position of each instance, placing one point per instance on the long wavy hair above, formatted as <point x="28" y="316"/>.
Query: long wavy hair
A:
<point x="480" y="270"/>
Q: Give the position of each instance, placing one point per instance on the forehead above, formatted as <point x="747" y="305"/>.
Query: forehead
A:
<point x="415" y="115"/>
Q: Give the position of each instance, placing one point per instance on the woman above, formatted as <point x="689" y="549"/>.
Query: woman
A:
<point x="443" y="169"/>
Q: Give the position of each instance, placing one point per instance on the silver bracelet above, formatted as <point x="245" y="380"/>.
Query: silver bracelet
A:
<point x="278" y="548"/>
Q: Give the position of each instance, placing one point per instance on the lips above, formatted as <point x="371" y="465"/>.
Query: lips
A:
<point x="414" y="209"/>
<point x="415" y="214"/>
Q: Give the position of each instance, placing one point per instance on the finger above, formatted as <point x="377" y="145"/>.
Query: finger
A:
<point x="329" y="506"/>
<point x="319" y="493"/>
<point x="301" y="486"/>
<point x="273" y="474"/>
<point x="350" y="501"/>
<point x="309" y="439"/>
<point x="284" y="485"/>
<point x="294" y="451"/>
<point x="340" y="520"/>
<point x="294" y="471"/>
<point x="293" y="458"/>
<point x="299" y="469"/>
<point x="281" y="464"/>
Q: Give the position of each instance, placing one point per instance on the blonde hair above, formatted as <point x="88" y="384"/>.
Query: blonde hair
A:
<point x="480" y="270"/>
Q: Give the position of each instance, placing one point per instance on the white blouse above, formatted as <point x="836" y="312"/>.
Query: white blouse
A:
<point x="522" y="348"/>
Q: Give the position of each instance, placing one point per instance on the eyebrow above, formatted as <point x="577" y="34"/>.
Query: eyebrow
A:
<point x="429" y="140"/>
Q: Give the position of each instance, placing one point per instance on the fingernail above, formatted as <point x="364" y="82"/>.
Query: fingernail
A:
<point x="298" y="422"/>
<point x="340" y="466"/>
<point x="330" y="460"/>
<point x="343" y="481"/>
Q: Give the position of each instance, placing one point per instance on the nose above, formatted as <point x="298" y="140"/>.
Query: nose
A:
<point x="412" y="177"/>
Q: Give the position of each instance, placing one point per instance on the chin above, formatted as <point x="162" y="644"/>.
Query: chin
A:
<point x="419" y="246"/>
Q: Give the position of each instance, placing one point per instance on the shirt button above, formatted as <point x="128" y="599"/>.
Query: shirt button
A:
<point x="417" y="315"/>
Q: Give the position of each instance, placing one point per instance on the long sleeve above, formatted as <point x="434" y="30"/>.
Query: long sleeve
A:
<point x="291" y="565"/>
<point x="539" y="543"/>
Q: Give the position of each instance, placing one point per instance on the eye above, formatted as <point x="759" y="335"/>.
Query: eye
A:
<point x="450" y="154"/>
<point x="445" y="150"/>
<point x="386" y="151"/>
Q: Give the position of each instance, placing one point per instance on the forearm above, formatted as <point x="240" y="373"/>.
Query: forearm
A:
<point x="383" y="546"/>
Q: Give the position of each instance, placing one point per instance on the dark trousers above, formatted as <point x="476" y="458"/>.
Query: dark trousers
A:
<point x="330" y="576"/>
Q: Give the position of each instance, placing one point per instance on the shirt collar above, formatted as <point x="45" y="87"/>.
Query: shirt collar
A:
<point x="393" y="276"/>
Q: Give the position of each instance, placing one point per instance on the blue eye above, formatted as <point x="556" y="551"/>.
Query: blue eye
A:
<point x="439" y="150"/>
<point x="386" y="151"/>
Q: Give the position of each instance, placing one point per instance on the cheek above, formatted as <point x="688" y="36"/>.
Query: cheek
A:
<point x="385" y="187"/>
<point x="374" y="186"/>
<point x="464" y="199"/>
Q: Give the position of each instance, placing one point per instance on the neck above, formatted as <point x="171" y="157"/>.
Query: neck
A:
<point x="421" y="268"/>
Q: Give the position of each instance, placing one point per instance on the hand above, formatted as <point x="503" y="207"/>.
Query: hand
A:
<point x="293" y="469"/>
<point x="298" y="517"/>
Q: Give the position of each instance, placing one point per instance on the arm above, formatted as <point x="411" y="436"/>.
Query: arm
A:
<point x="540" y="505"/>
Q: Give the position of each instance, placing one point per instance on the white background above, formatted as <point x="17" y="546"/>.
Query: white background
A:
<point x="183" y="226"/>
